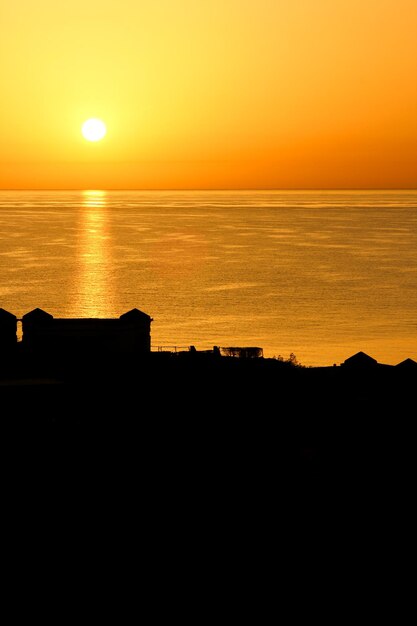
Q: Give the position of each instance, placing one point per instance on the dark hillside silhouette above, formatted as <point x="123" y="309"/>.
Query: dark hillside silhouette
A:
<point x="196" y="418"/>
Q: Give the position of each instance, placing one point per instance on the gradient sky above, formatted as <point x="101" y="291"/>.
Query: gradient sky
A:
<point x="209" y="93"/>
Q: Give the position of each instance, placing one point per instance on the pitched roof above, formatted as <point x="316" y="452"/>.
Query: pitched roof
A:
<point x="360" y="358"/>
<point x="37" y="314"/>
<point x="6" y="315"/>
<point x="408" y="363"/>
<point x="135" y="314"/>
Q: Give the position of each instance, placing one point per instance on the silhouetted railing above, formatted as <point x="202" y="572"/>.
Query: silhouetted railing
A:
<point x="242" y="353"/>
<point x="236" y="352"/>
<point x="170" y="348"/>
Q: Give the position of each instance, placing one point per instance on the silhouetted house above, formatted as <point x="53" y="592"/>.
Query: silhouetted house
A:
<point x="360" y="360"/>
<point x="128" y="334"/>
<point x="8" y="330"/>
<point x="408" y="364"/>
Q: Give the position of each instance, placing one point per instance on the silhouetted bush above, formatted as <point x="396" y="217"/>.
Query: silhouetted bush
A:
<point x="292" y="360"/>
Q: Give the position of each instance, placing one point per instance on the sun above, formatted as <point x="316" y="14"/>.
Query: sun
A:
<point x="94" y="129"/>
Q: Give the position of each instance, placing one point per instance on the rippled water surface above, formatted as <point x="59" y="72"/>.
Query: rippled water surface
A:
<point x="319" y="274"/>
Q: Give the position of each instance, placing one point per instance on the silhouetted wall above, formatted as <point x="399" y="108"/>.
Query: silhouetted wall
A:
<point x="128" y="334"/>
<point x="8" y="330"/>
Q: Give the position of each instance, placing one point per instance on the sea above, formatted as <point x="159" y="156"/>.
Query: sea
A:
<point x="316" y="274"/>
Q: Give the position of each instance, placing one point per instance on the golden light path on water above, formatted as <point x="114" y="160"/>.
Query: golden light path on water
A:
<point x="94" y="296"/>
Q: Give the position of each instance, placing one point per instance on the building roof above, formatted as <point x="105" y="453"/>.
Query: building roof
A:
<point x="360" y="359"/>
<point x="69" y="322"/>
<point x="133" y="315"/>
<point x="407" y="363"/>
<point x="37" y="315"/>
<point x="6" y="315"/>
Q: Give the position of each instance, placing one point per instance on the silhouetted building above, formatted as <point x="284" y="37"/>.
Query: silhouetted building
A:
<point x="408" y="364"/>
<point x="8" y="330"/>
<point x="128" y="334"/>
<point x="360" y="359"/>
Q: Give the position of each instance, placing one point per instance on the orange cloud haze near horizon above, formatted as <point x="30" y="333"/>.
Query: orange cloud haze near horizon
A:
<point x="210" y="94"/>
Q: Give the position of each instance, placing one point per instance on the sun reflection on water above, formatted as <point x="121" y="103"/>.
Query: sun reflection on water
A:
<point x="94" y="293"/>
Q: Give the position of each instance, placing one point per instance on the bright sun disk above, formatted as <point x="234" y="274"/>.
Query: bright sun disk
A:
<point x="94" y="129"/>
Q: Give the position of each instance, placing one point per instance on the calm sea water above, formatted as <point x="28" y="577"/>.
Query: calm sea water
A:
<point x="319" y="274"/>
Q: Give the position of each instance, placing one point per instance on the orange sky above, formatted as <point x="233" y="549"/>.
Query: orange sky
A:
<point x="209" y="93"/>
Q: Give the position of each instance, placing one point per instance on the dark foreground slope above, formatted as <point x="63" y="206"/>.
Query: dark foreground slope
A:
<point x="215" y="468"/>
<point x="196" y="417"/>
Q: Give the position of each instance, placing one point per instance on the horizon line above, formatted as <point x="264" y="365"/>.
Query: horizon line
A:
<point x="171" y="189"/>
